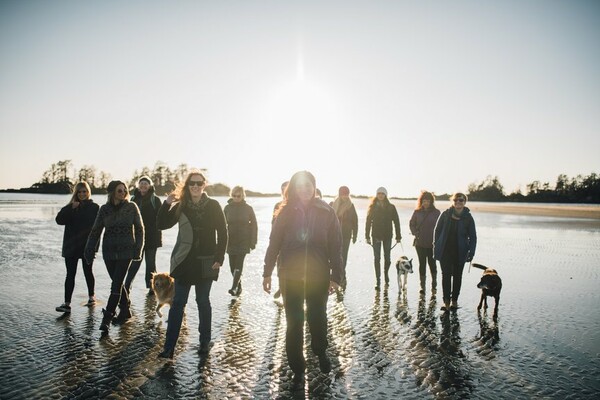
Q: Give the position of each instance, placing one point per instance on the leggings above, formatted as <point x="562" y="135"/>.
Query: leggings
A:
<point x="71" y="263"/>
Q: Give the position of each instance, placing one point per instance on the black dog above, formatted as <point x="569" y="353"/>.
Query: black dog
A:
<point x="490" y="285"/>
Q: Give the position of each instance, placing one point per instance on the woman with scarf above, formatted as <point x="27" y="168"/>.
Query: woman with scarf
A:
<point x="346" y="214"/>
<point x="454" y="244"/>
<point x="197" y="255"/>
<point x="422" y="224"/>
<point x="305" y="241"/>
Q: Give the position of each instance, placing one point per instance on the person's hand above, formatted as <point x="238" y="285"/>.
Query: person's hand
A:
<point x="368" y="241"/>
<point x="353" y="240"/>
<point x="171" y="198"/>
<point x="216" y="265"/>
<point x="267" y="284"/>
<point x="333" y="287"/>
<point x="253" y="247"/>
<point x="75" y="204"/>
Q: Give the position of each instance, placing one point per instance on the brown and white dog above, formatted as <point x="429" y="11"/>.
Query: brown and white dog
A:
<point x="490" y="285"/>
<point x="164" y="289"/>
<point x="403" y="267"/>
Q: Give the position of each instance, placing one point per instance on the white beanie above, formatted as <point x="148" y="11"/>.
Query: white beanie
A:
<point x="382" y="190"/>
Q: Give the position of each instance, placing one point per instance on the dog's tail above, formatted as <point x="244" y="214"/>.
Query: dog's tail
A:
<point x="480" y="266"/>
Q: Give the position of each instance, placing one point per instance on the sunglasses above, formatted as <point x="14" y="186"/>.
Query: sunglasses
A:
<point x="82" y="191"/>
<point x="459" y="200"/>
<point x="196" y="183"/>
<point x="120" y="191"/>
<point x="236" y="196"/>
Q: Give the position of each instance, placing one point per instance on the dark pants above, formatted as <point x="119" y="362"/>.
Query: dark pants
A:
<point x="426" y="257"/>
<point x="345" y="248"/>
<point x="387" y="249"/>
<point x="236" y="265"/>
<point x="294" y="296"/>
<point x="71" y="263"/>
<point x="117" y="270"/>
<point x="182" y="292"/>
<point x="150" y="256"/>
<point x="452" y="272"/>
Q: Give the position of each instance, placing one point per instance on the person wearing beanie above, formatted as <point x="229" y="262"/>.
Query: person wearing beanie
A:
<point x="346" y="213"/>
<point x="149" y="204"/>
<point x="382" y="217"/>
<point x="122" y="242"/>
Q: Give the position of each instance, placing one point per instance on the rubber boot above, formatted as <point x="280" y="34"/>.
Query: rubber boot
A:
<point x="107" y="317"/>
<point x="237" y="275"/>
<point x="124" y="313"/>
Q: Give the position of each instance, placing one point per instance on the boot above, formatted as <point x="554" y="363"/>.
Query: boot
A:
<point x="237" y="274"/>
<point x="386" y="272"/>
<point x="433" y="284"/>
<point x="107" y="317"/>
<point x="124" y="313"/>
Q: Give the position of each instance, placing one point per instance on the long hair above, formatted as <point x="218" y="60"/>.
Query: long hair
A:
<point x="290" y="195"/>
<point x="425" y="195"/>
<point x="238" y="189"/>
<point x="373" y="202"/>
<point x="182" y="194"/>
<point x="110" y="198"/>
<point x="78" y="187"/>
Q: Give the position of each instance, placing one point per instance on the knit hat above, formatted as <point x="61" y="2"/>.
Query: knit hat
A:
<point x="113" y="185"/>
<point x="343" y="190"/>
<point x="145" y="178"/>
<point x="382" y="190"/>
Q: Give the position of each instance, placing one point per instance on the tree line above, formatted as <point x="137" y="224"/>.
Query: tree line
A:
<point x="62" y="176"/>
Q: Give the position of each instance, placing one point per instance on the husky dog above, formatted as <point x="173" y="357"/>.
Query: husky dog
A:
<point x="403" y="267"/>
<point x="164" y="289"/>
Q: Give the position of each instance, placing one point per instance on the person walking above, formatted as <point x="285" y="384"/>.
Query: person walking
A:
<point x="381" y="218"/>
<point x="455" y="240"/>
<point x="242" y="233"/>
<point x="284" y="186"/>
<point x="149" y="204"/>
<point x="197" y="256"/>
<point x="422" y="223"/>
<point x="346" y="213"/>
<point x="306" y="238"/>
<point x="78" y="217"/>
<point x="123" y="241"/>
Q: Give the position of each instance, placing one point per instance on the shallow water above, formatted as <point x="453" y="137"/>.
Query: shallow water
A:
<point x="544" y="344"/>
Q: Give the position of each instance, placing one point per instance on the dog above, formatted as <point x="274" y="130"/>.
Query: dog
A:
<point x="403" y="267"/>
<point x="163" y="286"/>
<point x="490" y="285"/>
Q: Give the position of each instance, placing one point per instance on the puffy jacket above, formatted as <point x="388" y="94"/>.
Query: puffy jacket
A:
<point x="308" y="243"/>
<point x="78" y="223"/>
<point x="467" y="236"/>
<point x="241" y="227"/>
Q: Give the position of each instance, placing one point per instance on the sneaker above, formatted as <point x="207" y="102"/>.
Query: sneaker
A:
<point x="232" y="292"/>
<point x="325" y="364"/>
<point x="91" y="301"/>
<point x="63" y="308"/>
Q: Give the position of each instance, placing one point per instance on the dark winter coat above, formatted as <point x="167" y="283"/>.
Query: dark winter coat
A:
<point x="149" y="206"/>
<point x="124" y="236"/>
<point x="422" y="223"/>
<point x="241" y="227"/>
<point x="349" y="223"/>
<point x="78" y="223"/>
<point x="380" y="220"/>
<point x="308" y="243"/>
<point x="466" y="235"/>
<point x="201" y="234"/>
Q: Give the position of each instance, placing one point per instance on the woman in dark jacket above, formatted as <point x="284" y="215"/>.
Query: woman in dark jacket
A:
<point x="422" y="223"/>
<point x="78" y="218"/>
<point x="197" y="256"/>
<point x="454" y="244"/>
<point x="305" y="241"/>
<point x="242" y="231"/>
<point x="381" y="215"/>
<point x="346" y="213"/>
<point x="122" y="242"/>
<point x="149" y="204"/>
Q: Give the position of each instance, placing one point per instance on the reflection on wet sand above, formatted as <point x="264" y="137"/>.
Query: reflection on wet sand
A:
<point x="377" y="343"/>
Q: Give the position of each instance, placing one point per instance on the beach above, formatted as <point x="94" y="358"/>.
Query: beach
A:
<point x="383" y="344"/>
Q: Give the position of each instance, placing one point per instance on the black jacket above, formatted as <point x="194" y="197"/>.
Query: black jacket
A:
<point x="149" y="206"/>
<point x="78" y="223"/>
<point x="380" y="220"/>
<point x="241" y="227"/>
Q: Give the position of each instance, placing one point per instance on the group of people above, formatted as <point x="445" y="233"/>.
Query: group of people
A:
<point x="308" y="244"/>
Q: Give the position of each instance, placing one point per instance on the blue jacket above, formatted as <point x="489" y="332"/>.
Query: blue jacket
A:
<point x="467" y="236"/>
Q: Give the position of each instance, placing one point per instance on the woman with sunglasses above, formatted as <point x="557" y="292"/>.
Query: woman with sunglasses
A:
<point x="197" y="256"/>
<point x="454" y="244"/>
<point x="122" y="242"/>
<point x="243" y="231"/>
<point x="78" y="218"/>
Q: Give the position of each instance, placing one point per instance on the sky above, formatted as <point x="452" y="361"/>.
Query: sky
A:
<point x="407" y="95"/>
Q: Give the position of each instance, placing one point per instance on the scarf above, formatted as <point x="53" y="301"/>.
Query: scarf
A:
<point x="341" y="206"/>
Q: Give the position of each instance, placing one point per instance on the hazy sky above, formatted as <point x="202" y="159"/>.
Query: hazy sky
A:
<point x="408" y="95"/>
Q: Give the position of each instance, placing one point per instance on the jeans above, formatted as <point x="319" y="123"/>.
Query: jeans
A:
<point x="150" y="256"/>
<point x="71" y="264"/>
<point x="294" y="295"/>
<point x="452" y="272"/>
<point x="387" y="249"/>
<point x="182" y="291"/>
<point x="117" y="270"/>
<point x="426" y="257"/>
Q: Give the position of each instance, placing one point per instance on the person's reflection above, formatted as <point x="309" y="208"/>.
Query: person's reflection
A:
<point x="341" y="337"/>
<point x="378" y="339"/>
<point x="453" y="374"/>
